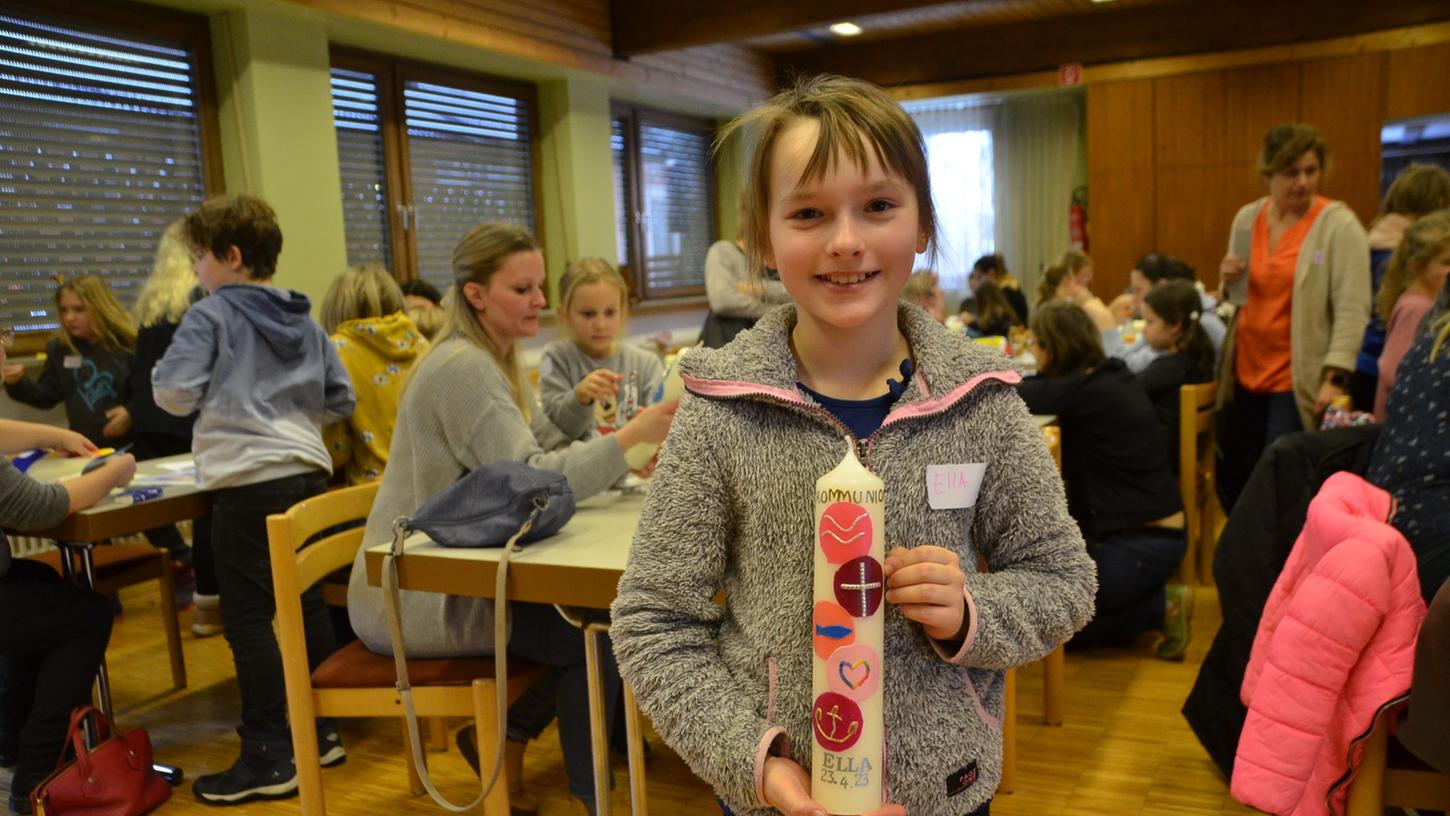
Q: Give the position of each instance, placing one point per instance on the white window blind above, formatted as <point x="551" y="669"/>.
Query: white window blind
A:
<point x="100" y="149"/>
<point x="470" y="158"/>
<point x="678" y="205"/>
<point x="672" y="182"/>
<point x="358" y="121"/>
<point x="623" y="197"/>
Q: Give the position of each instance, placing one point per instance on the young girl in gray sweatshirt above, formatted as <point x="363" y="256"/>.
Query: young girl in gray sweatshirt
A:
<point x="840" y="206"/>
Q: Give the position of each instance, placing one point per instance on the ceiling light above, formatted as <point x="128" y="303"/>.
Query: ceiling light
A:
<point x="1102" y="1"/>
<point x="845" y="29"/>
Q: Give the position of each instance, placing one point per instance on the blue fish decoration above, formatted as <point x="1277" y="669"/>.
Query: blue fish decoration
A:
<point x="833" y="632"/>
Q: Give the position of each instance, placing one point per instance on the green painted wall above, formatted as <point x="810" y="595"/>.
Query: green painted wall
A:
<point x="275" y="111"/>
<point x="577" y="173"/>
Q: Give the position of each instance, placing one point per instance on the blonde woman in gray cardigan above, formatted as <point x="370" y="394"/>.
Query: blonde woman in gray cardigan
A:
<point x="466" y="405"/>
<point x="1298" y="267"/>
<point x="840" y="205"/>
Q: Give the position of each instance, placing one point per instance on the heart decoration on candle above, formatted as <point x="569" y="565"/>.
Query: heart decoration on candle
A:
<point x="853" y="671"/>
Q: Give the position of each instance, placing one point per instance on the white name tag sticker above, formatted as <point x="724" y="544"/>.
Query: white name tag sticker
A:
<point x="71" y="361"/>
<point x="953" y="487"/>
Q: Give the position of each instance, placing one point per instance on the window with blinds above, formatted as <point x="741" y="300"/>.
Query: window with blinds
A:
<point x="100" y="150"/>
<point x="425" y="155"/>
<point x="357" y="116"/>
<point x="665" y="199"/>
<point x="470" y="156"/>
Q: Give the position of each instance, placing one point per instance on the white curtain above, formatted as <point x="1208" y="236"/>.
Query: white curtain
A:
<point x="1033" y="151"/>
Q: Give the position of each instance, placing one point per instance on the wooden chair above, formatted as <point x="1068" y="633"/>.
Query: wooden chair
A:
<point x="1195" y="480"/>
<point x="118" y="566"/>
<point x="1054" y="666"/>
<point x="1390" y="776"/>
<point x="354" y="682"/>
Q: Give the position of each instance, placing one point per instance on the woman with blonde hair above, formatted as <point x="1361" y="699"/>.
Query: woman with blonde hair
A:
<point x="378" y="345"/>
<point x="169" y="291"/>
<point x="466" y="405"/>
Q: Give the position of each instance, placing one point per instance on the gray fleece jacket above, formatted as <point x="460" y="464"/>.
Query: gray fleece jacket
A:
<point x="457" y="414"/>
<point x="731" y="506"/>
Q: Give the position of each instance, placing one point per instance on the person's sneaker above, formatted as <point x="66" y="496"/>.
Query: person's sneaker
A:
<point x="261" y="775"/>
<point x="207" y="617"/>
<point x="1177" y="615"/>
<point x="329" y="743"/>
<point x="21" y="805"/>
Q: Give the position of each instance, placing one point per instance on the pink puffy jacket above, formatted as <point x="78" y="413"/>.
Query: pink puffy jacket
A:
<point x="1336" y="642"/>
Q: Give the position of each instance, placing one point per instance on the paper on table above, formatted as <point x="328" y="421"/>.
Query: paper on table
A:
<point x="177" y="467"/>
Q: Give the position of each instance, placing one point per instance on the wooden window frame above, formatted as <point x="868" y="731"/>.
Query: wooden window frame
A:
<point x="631" y="113"/>
<point x="393" y="74"/>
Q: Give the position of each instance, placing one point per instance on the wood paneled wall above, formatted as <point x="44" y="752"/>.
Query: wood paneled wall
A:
<point x="1172" y="158"/>
<point x="574" y="34"/>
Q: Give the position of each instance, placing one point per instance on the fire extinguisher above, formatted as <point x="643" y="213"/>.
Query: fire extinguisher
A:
<point x="1077" y="219"/>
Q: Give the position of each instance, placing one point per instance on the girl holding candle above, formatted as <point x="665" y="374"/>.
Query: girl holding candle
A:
<point x="587" y="367"/>
<point x="840" y="204"/>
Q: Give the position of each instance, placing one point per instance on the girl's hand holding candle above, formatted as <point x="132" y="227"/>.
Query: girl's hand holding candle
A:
<point x="926" y="584"/>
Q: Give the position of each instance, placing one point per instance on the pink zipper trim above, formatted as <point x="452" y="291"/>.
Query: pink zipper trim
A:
<point x="736" y="388"/>
<point x="770" y="694"/>
<point x="977" y="701"/>
<point x="938" y="404"/>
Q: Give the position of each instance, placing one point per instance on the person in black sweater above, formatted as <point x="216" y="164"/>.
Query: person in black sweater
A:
<point x="170" y="290"/>
<point x="1118" y="484"/>
<point x="994" y="268"/>
<point x="1170" y="326"/>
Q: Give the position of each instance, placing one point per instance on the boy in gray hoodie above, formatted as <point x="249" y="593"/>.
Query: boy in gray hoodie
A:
<point x="266" y="380"/>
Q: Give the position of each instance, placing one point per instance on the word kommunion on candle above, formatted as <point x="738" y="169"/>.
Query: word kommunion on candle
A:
<point x="848" y="734"/>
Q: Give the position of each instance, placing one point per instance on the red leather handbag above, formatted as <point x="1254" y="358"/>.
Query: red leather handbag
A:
<point x="112" y="779"/>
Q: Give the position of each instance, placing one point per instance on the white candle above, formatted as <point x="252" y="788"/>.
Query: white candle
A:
<point x="848" y="735"/>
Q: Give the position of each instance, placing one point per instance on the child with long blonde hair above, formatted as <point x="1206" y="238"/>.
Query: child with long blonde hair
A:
<point x="588" y="368"/>
<point x="1415" y="275"/>
<point x="87" y="364"/>
<point x="378" y="345"/>
<point x="841" y="204"/>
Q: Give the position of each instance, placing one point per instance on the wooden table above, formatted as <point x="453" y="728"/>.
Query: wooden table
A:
<point x="116" y="517"/>
<point x="580" y="566"/>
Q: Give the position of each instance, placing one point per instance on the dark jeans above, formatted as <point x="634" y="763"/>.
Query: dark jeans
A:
<point x="155" y="446"/>
<point x="53" y="635"/>
<point x="244" y="578"/>
<point x="1133" y="566"/>
<point x="1256" y="421"/>
<point x="538" y="633"/>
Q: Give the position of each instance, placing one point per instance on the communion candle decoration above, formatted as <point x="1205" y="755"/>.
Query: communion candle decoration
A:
<point x="671" y="387"/>
<point x="846" y="717"/>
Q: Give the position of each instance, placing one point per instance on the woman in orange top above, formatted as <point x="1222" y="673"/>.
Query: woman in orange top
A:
<point x="1298" y="268"/>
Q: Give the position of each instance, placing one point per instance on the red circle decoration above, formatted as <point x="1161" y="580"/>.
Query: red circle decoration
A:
<point x="859" y="585"/>
<point x="836" y="721"/>
<point x="845" y="532"/>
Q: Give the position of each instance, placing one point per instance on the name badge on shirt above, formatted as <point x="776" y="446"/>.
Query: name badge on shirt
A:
<point x="952" y="487"/>
<point x="71" y="361"/>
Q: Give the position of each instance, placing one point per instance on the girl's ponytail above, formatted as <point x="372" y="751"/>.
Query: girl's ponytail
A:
<point x="1177" y="302"/>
